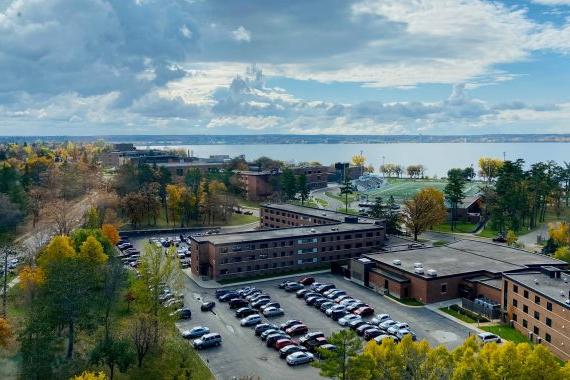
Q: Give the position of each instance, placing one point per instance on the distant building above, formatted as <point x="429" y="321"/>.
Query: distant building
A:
<point x="258" y="185"/>
<point x="469" y="210"/>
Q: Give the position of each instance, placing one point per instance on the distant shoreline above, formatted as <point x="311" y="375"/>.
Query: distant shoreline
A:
<point x="298" y="139"/>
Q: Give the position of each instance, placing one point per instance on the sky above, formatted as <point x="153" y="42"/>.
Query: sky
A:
<point x="441" y="67"/>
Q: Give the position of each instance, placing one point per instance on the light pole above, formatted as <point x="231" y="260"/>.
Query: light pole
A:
<point x="4" y="294"/>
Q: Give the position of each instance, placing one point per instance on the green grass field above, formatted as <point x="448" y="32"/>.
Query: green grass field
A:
<point x="507" y="332"/>
<point x="460" y="227"/>
<point x="402" y="189"/>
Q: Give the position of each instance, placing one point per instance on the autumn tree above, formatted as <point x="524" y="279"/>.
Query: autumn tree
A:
<point x="88" y="375"/>
<point x="5" y="332"/>
<point x="359" y="160"/>
<point x="423" y="211"/>
<point x="111" y="233"/>
<point x="337" y="363"/>
<point x="113" y="353"/>
<point x="92" y="252"/>
<point x="560" y="233"/>
<point x="489" y="168"/>
<point x="31" y="279"/>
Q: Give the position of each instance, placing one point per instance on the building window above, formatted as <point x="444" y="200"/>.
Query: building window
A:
<point x="515" y="303"/>
<point x="515" y="288"/>
<point x="536" y="330"/>
<point x="536" y="315"/>
<point x="525" y="309"/>
<point x="525" y="294"/>
<point x="547" y="337"/>
<point x="549" y="306"/>
<point x="548" y="322"/>
<point x="444" y="288"/>
<point x="179" y="172"/>
<point x="514" y="317"/>
<point x="537" y="300"/>
<point x="525" y="324"/>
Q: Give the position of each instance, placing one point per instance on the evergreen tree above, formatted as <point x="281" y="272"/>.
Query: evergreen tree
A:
<point x="454" y="192"/>
<point x="302" y="188"/>
<point x="288" y="184"/>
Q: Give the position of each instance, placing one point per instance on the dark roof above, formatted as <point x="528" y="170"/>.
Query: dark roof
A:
<point x="284" y="233"/>
<point x="463" y="257"/>
<point x="552" y="288"/>
<point x="333" y="216"/>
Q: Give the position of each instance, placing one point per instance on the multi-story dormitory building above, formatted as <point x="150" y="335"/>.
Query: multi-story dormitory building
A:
<point x="303" y="238"/>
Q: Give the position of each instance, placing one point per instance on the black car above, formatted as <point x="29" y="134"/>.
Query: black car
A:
<point x="311" y="300"/>
<point x="363" y="327"/>
<point x="245" y="311"/>
<point x="260" y="303"/>
<point x="336" y="315"/>
<point x="292" y="322"/>
<point x="372" y="333"/>
<point x="311" y="294"/>
<point x="237" y="303"/>
<point x="259" y="329"/>
<point x="293" y="287"/>
<point x="288" y="350"/>
<point x="271" y="339"/>
<point x="228" y="296"/>
<point x="221" y="292"/>
<point x="283" y="284"/>
<point x="320" y="301"/>
<point x="207" y="306"/>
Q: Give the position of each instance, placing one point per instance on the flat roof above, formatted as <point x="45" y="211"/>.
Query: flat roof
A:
<point x="463" y="257"/>
<point x="317" y="212"/>
<point x="548" y="287"/>
<point x="283" y="233"/>
<point x="187" y="164"/>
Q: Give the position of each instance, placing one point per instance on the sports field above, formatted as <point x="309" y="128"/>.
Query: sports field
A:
<point x="402" y="189"/>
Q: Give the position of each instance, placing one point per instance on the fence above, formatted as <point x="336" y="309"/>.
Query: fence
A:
<point x="484" y="310"/>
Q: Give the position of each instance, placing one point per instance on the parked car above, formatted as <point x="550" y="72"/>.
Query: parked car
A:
<point x="283" y="284"/>
<point x="245" y="311"/>
<point x="355" y="306"/>
<point x="259" y="303"/>
<point x="500" y="239"/>
<point x="237" y="303"/>
<point x="330" y="310"/>
<point x="256" y="297"/>
<point x="293" y="287"/>
<point x="487" y="337"/>
<point x="372" y="333"/>
<point x="336" y="294"/>
<point x="228" y="296"/>
<point x="354" y="324"/>
<point x="251" y="320"/>
<point x="269" y="332"/>
<point x="339" y="299"/>
<point x="397" y="327"/>
<point x="382" y="337"/>
<point x="311" y="336"/>
<point x="324" y="348"/>
<point x="271" y="339"/>
<point x="299" y="357"/>
<point x="270" y="304"/>
<point x="259" y="329"/>
<point x="320" y="301"/>
<point x="387" y="324"/>
<point x="363" y="327"/>
<point x="338" y="314"/>
<point x="288" y="350"/>
<point x="297" y="329"/>
<point x="400" y="334"/>
<point x="207" y="306"/>
<point x="312" y="300"/>
<point x="282" y="343"/>
<point x="291" y="322"/>
<point x="326" y="305"/>
<point x="364" y="311"/>
<point x="208" y="340"/>
<point x="311" y="294"/>
<point x="323" y="288"/>
<point x="313" y="344"/>
<point x="273" y="312"/>
<point x="307" y="281"/>
<point x="344" y="321"/>
<point x="301" y="293"/>
<point x="183" y="313"/>
<point x="379" y="319"/>
<point x="195" y="332"/>
<point x="221" y="292"/>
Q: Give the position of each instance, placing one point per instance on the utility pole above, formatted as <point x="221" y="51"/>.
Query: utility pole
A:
<point x="504" y="156"/>
<point x="4" y="294"/>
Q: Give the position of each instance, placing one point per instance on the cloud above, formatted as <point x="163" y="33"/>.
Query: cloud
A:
<point x="552" y="2"/>
<point x="241" y="34"/>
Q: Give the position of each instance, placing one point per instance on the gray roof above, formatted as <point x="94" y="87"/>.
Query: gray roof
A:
<point x="548" y="287"/>
<point x="334" y="216"/>
<point x="283" y="233"/>
<point x="463" y="257"/>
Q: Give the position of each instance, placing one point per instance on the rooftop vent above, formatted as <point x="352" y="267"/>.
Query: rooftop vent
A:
<point x="418" y="265"/>
<point x="565" y="279"/>
<point x="536" y="281"/>
<point x="419" y="270"/>
<point x="397" y="262"/>
<point x="562" y="294"/>
<point x="334" y="229"/>
<point x="313" y="230"/>
<point x="431" y="272"/>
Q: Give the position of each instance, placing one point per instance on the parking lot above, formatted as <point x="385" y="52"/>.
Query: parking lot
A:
<point x="244" y="354"/>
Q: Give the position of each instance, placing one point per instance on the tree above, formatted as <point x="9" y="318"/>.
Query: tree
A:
<point x="560" y="233"/>
<point x="511" y="238"/>
<point x="302" y="187"/>
<point x="454" y="192"/>
<point x="133" y="207"/>
<point x="489" y="168"/>
<point x="563" y="253"/>
<point x="143" y="335"/>
<point x="5" y="332"/>
<point x="88" y="375"/>
<point x="111" y="233"/>
<point x="469" y="173"/>
<point x="174" y="196"/>
<point x="92" y="252"/>
<point x="113" y="353"/>
<point x="336" y="364"/>
<point x="59" y="212"/>
<point x="423" y="211"/>
<point x="31" y="279"/>
<point x="91" y="218"/>
<point x="359" y="160"/>
<point x="59" y="248"/>
<point x="378" y="209"/>
<point x="346" y="189"/>
<point x="288" y="184"/>
<point x="10" y="216"/>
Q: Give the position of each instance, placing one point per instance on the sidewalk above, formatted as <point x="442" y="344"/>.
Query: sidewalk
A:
<point x="436" y="306"/>
<point x="211" y="284"/>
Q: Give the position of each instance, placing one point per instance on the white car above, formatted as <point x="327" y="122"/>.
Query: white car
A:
<point x="300" y="357"/>
<point x="387" y="324"/>
<point x="251" y="320"/>
<point x="380" y="318"/>
<point x="344" y="321"/>
<point x="489" y="338"/>
<point x="400" y="334"/>
<point x="273" y="312"/>
<point x="195" y="332"/>
<point x="397" y="327"/>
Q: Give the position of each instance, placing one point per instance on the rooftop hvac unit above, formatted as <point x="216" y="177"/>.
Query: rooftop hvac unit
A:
<point x="419" y="270"/>
<point x="418" y="265"/>
<point x="397" y="262"/>
<point x="536" y="281"/>
<point x="313" y="230"/>
<point x="432" y="272"/>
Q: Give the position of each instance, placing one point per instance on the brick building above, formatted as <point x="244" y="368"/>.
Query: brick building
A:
<point x="465" y="268"/>
<point x="538" y="304"/>
<point x="287" y="248"/>
<point x="258" y="185"/>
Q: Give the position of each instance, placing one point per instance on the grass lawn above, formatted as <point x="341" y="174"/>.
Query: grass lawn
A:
<point x="439" y="243"/>
<point x="458" y="315"/>
<point x="351" y="197"/>
<point x="350" y="211"/>
<point x="406" y="301"/>
<point x="488" y="232"/>
<point x="321" y="202"/>
<point x="461" y="227"/>
<point x="507" y="333"/>
<point x="239" y="219"/>
<point x="234" y="220"/>
<point x="405" y="188"/>
<point x="248" y="203"/>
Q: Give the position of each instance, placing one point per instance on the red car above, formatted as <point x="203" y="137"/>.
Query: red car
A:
<point x="307" y="281"/>
<point x="282" y="343"/>
<point x="297" y="330"/>
<point x="364" y="311"/>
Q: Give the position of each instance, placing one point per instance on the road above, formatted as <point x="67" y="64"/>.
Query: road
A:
<point x="242" y="354"/>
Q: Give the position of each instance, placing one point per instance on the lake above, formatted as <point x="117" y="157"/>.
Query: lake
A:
<point x="436" y="157"/>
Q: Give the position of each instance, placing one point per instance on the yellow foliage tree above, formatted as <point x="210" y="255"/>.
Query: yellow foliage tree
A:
<point x="560" y="232"/>
<point x="424" y="210"/>
<point x="489" y="167"/>
<point x="60" y="247"/>
<point x="30" y="280"/>
<point x="111" y="233"/>
<point x="511" y="237"/>
<point x="563" y="253"/>
<point x="88" y="375"/>
<point x="174" y="197"/>
<point x="5" y="332"/>
<point x="92" y="251"/>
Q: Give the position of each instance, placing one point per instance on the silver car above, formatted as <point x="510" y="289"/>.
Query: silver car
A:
<point x="273" y="312"/>
<point x="300" y="357"/>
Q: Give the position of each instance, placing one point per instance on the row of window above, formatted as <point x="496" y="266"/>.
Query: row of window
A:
<point x="536" y="298"/>
<point x="536" y="329"/>
<point x="536" y="314"/>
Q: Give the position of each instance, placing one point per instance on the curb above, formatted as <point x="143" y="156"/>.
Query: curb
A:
<point x="215" y="285"/>
<point x="400" y="303"/>
<point x="452" y="318"/>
